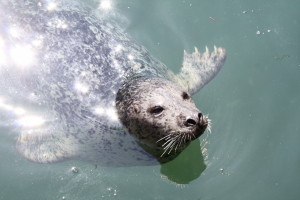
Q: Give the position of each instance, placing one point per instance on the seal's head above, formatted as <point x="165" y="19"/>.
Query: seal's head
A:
<point x="159" y="113"/>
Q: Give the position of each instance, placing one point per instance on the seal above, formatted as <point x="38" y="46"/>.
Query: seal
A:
<point x="74" y="85"/>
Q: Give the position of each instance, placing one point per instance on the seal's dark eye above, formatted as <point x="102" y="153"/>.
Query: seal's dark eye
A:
<point x="185" y="96"/>
<point x="156" y="110"/>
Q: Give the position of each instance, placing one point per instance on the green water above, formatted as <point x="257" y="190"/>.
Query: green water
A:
<point x="253" y="151"/>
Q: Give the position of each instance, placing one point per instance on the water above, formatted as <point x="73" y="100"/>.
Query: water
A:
<point x="253" y="151"/>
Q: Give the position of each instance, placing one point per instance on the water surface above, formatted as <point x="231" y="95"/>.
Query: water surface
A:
<point x="253" y="151"/>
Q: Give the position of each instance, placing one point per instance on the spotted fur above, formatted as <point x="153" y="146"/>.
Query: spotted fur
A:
<point x="83" y="66"/>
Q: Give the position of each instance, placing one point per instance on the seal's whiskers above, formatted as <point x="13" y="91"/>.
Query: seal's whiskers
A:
<point x="167" y="136"/>
<point x="209" y="123"/>
<point x="174" y="143"/>
<point x="193" y="135"/>
<point x="169" y="144"/>
<point x="179" y="143"/>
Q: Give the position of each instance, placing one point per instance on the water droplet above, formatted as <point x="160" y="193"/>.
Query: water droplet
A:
<point x="257" y="32"/>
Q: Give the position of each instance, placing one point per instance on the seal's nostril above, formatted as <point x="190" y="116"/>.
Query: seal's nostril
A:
<point x="200" y="115"/>
<point x="190" y="122"/>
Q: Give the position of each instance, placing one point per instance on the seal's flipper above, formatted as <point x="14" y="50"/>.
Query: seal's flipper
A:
<point x="43" y="148"/>
<point x="198" y="69"/>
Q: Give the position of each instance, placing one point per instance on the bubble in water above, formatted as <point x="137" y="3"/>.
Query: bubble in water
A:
<point x="257" y="32"/>
<point x="74" y="170"/>
<point x="112" y="190"/>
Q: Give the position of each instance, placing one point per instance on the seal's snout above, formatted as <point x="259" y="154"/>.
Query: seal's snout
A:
<point x="199" y="121"/>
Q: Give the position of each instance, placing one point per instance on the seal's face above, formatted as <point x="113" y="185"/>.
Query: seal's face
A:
<point x="158" y="113"/>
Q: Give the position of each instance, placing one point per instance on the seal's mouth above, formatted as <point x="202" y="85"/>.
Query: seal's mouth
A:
<point x="178" y="140"/>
